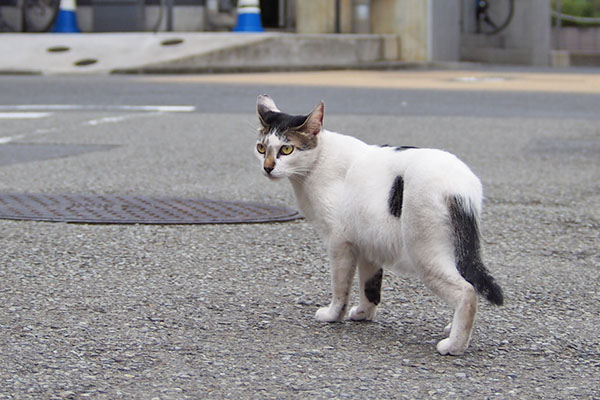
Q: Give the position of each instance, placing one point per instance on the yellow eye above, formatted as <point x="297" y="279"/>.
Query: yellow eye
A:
<point x="286" y="150"/>
<point x="261" y="148"/>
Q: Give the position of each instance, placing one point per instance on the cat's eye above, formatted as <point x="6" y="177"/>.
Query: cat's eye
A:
<point x="261" y="148"/>
<point x="286" y="149"/>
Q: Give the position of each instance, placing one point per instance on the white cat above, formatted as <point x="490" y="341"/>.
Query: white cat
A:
<point x="407" y="209"/>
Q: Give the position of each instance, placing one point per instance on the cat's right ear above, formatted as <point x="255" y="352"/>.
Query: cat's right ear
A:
<point x="264" y="105"/>
<point x="314" y="121"/>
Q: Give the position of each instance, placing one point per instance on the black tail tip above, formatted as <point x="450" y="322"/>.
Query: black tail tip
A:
<point x="494" y="295"/>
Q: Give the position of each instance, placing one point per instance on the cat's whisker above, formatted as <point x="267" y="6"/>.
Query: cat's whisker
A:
<point x="300" y="170"/>
<point x="297" y="178"/>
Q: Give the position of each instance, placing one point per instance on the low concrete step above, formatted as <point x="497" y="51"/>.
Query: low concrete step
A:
<point x="188" y="52"/>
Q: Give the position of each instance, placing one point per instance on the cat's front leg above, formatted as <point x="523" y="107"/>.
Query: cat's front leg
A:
<point x="342" y="256"/>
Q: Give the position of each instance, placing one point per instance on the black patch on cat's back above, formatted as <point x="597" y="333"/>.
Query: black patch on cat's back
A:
<point x="397" y="148"/>
<point x="281" y="122"/>
<point x="402" y="148"/>
<point x="395" y="198"/>
<point x="373" y="287"/>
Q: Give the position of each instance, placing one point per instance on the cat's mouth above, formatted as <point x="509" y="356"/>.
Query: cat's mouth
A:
<point x="272" y="176"/>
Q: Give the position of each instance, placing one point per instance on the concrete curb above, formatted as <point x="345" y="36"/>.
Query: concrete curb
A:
<point x="104" y="52"/>
<point x="372" y="66"/>
<point x="177" y="52"/>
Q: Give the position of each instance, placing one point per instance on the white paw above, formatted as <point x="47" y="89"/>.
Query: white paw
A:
<point x="328" y="314"/>
<point x="446" y="347"/>
<point x="447" y="329"/>
<point x="358" y="314"/>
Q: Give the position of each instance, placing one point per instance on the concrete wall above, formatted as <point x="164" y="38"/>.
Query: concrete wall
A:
<point x="414" y="29"/>
<point x="576" y="38"/>
<point x="428" y="30"/>
<point x="319" y="16"/>
<point x="315" y="16"/>
<point x="444" y="29"/>
<point x="526" y="40"/>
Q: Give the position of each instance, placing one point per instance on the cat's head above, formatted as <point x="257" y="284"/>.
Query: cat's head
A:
<point x="287" y="144"/>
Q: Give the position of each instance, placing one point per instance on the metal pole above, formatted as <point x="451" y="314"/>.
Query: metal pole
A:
<point x="558" y="24"/>
<point x="281" y="14"/>
<point x="338" y="7"/>
<point x="169" y="15"/>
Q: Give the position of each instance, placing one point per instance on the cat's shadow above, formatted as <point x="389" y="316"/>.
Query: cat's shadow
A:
<point x="376" y="334"/>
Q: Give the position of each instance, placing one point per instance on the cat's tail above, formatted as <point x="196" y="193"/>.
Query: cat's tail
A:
<point x="467" y="250"/>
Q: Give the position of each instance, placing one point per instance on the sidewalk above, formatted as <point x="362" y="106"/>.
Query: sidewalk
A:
<point x="181" y="52"/>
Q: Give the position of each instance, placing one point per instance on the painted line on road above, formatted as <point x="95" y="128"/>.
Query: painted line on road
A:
<point x="24" y="115"/>
<point x="33" y="111"/>
<point x="37" y="132"/>
<point x="120" y="118"/>
<point x="106" y="120"/>
<point x="8" y="139"/>
<point x="97" y="107"/>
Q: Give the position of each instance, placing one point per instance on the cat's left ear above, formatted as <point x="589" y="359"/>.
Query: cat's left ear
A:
<point x="264" y="105"/>
<point x="314" y="121"/>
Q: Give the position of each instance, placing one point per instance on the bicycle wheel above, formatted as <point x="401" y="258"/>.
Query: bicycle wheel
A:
<point x="7" y="23"/>
<point x="493" y="16"/>
<point x="39" y="15"/>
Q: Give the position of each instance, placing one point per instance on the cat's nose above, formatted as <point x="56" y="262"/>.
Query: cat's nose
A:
<point x="268" y="169"/>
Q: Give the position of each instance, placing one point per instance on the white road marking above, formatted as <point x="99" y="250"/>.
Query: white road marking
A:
<point x="105" y="120"/>
<point x="477" y="79"/>
<point x="96" y="107"/>
<point x="37" y="132"/>
<point x="32" y="111"/>
<point x="120" y="118"/>
<point x="23" y="115"/>
<point x="8" y="139"/>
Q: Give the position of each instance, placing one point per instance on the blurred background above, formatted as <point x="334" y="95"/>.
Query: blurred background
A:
<point x="496" y="31"/>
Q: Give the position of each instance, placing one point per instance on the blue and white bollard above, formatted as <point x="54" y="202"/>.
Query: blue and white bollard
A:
<point x="248" y="17"/>
<point x="66" y="21"/>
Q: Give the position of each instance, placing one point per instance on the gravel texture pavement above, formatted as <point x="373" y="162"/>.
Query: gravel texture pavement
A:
<point x="227" y="311"/>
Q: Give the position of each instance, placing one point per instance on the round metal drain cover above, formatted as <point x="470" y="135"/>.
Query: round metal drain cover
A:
<point x="114" y="209"/>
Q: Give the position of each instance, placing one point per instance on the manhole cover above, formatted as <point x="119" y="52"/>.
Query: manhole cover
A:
<point x="111" y="209"/>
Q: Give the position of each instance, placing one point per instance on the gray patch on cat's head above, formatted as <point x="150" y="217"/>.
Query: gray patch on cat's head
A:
<point x="300" y="130"/>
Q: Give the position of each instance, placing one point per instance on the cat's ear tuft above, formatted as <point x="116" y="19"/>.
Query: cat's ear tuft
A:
<point x="314" y="121"/>
<point x="264" y="105"/>
<point x="265" y="101"/>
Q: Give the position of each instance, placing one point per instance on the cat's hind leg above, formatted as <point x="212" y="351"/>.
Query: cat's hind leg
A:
<point x="343" y="257"/>
<point x="448" y="328"/>
<point x="370" y="277"/>
<point x="446" y="282"/>
<point x="462" y="324"/>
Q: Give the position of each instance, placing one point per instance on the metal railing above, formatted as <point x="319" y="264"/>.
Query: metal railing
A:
<point x="559" y="17"/>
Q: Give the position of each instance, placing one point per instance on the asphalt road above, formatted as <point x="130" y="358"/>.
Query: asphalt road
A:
<point x="226" y="311"/>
